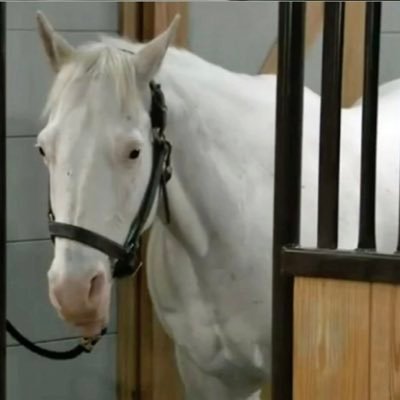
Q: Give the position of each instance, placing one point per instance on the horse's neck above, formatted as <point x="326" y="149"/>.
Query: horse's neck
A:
<point x="214" y="117"/>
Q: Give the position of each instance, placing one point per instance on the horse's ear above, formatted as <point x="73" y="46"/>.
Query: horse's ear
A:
<point x="148" y="60"/>
<point x="58" y="50"/>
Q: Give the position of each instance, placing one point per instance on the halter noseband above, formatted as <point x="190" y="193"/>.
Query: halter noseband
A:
<point x="124" y="258"/>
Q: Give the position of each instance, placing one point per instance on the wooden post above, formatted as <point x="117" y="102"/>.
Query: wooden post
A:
<point x="314" y="19"/>
<point x="146" y="367"/>
<point x="353" y="52"/>
<point x="158" y="15"/>
<point x="128" y="289"/>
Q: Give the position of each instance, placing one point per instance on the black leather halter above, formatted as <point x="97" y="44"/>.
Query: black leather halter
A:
<point x="124" y="258"/>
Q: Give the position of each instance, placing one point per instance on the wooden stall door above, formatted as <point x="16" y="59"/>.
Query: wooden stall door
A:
<point x="331" y="340"/>
<point x="346" y="334"/>
<point x="346" y="340"/>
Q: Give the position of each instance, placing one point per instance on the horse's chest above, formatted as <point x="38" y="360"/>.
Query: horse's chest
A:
<point x="189" y="312"/>
<point x="177" y="298"/>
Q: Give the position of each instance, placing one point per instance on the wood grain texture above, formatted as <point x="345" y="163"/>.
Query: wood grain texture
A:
<point x="331" y="340"/>
<point x="166" y="380"/>
<point x="158" y="15"/>
<point x="266" y="393"/>
<point x="127" y="338"/>
<point x="314" y="20"/>
<point x="128" y="289"/>
<point x="129" y="21"/>
<point x="353" y="52"/>
<point x="146" y="344"/>
<point x="158" y="373"/>
<point x="385" y="343"/>
<point x="146" y="365"/>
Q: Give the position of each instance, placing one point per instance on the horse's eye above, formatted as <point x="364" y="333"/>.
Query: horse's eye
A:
<point x="134" y="154"/>
<point x="41" y="151"/>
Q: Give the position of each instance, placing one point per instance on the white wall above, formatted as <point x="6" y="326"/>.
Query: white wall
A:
<point x="238" y="35"/>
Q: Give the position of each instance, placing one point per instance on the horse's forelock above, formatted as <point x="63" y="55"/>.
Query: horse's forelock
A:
<point x="96" y="60"/>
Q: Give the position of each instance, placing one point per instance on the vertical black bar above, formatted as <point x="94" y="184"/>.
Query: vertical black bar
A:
<point x="289" y="121"/>
<point x="2" y="201"/>
<point x="366" y="238"/>
<point x="331" y="91"/>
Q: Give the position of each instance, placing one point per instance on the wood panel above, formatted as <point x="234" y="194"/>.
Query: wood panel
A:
<point x="385" y="343"/>
<point x="127" y="338"/>
<point x="146" y="340"/>
<point x="146" y="366"/>
<point x="331" y="339"/>
<point x="128" y="289"/>
<point x="314" y="19"/>
<point x="129" y="20"/>
<point x="166" y="380"/>
<point x="353" y="52"/>
<point x="158" y="372"/>
<point x="266" y="393"/>
<point x="157" y="16"/>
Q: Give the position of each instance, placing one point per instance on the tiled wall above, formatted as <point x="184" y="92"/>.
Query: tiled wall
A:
<point x="28" y="249"/>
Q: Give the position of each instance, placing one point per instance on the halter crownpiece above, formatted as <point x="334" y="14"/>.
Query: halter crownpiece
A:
<point x="124" y="258"/>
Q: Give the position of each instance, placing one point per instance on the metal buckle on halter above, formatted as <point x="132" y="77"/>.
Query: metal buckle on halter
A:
<point x="168" y="166"/>
<point x="135" y="263"/>
<point x="158" y="112"/>
<point x="87" y="343"/>
<point x="163" y="142"/>
<point x="127" y="267"/>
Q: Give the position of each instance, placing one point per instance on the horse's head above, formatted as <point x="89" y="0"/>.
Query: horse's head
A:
<point x="98" y="150"/>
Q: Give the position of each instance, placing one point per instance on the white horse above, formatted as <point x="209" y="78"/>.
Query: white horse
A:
<point x="209" y="271"/>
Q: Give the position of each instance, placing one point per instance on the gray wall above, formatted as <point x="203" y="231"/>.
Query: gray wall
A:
<point x="235" y="35"/>
<point x="238" y="36"/>
<point x="28" y="248"/>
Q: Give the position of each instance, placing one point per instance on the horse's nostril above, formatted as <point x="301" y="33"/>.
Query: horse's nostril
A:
<point x="96" y="285"/>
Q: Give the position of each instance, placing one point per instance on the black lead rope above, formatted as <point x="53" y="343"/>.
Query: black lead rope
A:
<point x="85" y="346"/>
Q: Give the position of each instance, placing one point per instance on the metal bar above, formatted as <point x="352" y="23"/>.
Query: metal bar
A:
<point x="331" y="90"/>
<point x="2" y="201"/>
<point x="366" y="238"/>
<point x="289" y="116"/>
<point x="362" y="266"/>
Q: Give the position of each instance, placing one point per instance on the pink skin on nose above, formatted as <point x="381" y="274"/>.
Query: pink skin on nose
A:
<point x="81" y="302"/>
